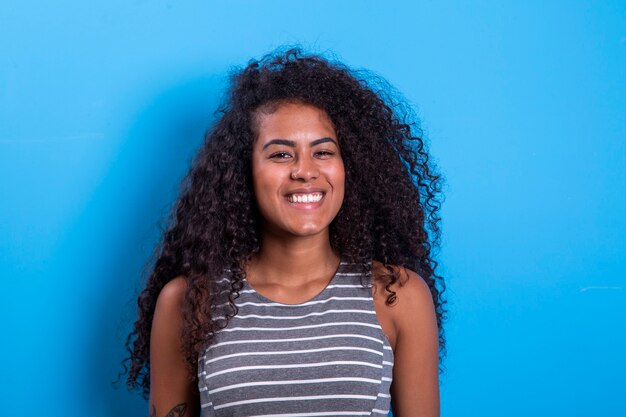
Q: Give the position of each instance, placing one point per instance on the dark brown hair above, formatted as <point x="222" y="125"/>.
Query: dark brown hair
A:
<point x="389" y="214"/>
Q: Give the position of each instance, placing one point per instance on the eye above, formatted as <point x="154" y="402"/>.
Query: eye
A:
<point x="280" y="155"/>
<point x="324" y="154"/>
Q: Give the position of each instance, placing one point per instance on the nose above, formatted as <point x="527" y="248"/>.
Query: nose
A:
<point x="304" y="169"/>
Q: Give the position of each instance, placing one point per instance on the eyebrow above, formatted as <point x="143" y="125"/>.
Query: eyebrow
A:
<point x="292" y="143"/>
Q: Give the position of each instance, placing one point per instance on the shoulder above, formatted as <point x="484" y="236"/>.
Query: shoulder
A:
<point x="167" y="312"/>
<point x="171" y="377"/>
<point x="413" y="308"/>
<point x="173" y="292"/>
<point x="415" y="388"/>
<point x="409" y="288"/>
<point x="167" y="325"/>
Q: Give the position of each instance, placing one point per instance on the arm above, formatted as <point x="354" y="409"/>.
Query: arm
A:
<point x="415" y="387"/>
<point x="172" y="392"/>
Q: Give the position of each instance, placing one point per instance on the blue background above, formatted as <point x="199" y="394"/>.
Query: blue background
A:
<point x="102" y="105"/>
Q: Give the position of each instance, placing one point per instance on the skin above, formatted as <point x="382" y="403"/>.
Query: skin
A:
<point x="297" y="150"/>
<point x="172" y="392"/>
<point x="295" y="261"/>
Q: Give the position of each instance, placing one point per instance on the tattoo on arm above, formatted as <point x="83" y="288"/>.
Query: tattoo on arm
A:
<point x="178" y="411"/>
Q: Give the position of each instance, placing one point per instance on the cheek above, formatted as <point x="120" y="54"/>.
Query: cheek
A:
<point x="257" y="181"/>
<point x="339" y="180"/>
<point x="260" y="188"/>
<point x="340" y="174"/>
<point x="266" y="185"/>
<point x="258" y="177"/>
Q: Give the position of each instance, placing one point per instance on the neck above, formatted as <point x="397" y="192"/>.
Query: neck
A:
<point x="295" y="261"/>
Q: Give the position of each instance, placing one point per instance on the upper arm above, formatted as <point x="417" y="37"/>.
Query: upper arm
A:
<point x="415" y="387"/>
<point x="172" y="390"/>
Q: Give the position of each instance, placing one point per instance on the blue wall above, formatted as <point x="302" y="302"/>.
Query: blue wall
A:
<point x="102" y="105"/>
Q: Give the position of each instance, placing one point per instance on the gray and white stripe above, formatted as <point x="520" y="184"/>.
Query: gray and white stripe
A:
<point x="325" y="357"/>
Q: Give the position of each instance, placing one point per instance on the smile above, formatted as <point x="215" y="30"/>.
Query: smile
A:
<point x="305" y="198"/>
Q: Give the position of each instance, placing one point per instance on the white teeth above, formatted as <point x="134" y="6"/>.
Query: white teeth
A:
<point x="305" y="198"/>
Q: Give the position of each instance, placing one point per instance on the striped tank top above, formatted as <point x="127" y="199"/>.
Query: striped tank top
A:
<point x="325" y="357"/>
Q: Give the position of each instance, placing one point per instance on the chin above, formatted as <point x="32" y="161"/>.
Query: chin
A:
<point x="309" y="230"/>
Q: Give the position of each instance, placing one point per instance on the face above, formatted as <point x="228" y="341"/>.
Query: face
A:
<point x="297" y="170"/>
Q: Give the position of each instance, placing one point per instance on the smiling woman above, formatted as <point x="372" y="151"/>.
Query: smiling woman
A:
<point x="296" y="275"/>
<point x="299" y="181"/>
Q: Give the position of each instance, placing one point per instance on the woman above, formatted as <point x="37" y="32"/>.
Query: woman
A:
<point x="296" y="277"/>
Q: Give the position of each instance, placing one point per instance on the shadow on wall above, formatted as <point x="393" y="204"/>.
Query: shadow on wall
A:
<point x="116" y="233"/>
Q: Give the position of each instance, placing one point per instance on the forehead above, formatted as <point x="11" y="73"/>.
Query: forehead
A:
<point x="293" y="121"/>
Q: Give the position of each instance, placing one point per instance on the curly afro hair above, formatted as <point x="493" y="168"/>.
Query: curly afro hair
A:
<point x="390" y="211"/>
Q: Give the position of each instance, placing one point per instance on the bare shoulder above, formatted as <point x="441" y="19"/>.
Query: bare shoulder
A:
<point x="171" y="382"/>
<point x="171" y="296"/>
<point x="167" y="320"/>
<point x="412" y="305"/>
<point x="411" y="290"/>
<point x="413" y="320"/>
